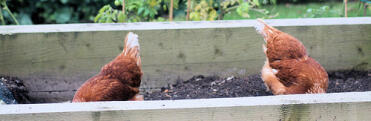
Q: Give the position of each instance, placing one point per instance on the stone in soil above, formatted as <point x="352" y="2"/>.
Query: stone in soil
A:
<point x="14" y="90"/>
<point x="5" y="95"/>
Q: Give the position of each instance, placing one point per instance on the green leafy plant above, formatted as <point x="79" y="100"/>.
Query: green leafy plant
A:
<point x="52" y="11"/>
<point x="320" y="12"/>
<point x="85" y="11"/>
<point x="243" y="7"/>
<point x="147" y="10"/>
<point x="265" y="2"/>
<point x="167" y="4"/>
<point x="203" y="11"/>
<point x="108" y="15"/>
<point x="135" y="10"/>
<point x="4" y="6"/>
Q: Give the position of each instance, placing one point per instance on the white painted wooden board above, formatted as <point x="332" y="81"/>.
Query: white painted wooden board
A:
<point x="54" y="60"/>
<point x="350" y="106"/>
<point x="179" y="25"/>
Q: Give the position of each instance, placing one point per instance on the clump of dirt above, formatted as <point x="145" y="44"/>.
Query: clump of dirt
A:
<point x="16" y="87"/>
<point x="214" y="87"/>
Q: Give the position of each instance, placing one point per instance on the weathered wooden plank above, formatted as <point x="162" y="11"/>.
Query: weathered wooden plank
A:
<point x="308" y="107"/>
<point x="61" y="57"/>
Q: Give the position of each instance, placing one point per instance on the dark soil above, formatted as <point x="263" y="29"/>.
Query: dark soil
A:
<point x="214" y="87"/>
<point x="15" y="90"/>
<point x="349" y="81"/>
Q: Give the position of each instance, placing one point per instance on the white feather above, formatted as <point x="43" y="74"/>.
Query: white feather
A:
<point x="132" y="41"/>
<point x="260" y="29"/>
<point x="275" y="71"/>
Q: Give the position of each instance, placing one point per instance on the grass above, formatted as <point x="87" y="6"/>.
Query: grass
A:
<point x="310" y="10"/>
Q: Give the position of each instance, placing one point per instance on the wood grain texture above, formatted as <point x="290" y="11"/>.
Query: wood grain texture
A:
<point x="308" y="107"/>
<point x="59" y="58"/>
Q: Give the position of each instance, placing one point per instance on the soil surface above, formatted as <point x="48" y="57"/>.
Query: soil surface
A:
<point x="211" y="87"/>
<point x="13" y="88"/>
<point x="214" y="87"/>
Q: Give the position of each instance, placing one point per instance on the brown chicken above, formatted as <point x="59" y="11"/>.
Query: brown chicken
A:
<point x="288" y="69"/>
<point x="118" y="80"/>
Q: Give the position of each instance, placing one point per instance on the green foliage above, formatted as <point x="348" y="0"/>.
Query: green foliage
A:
<point x="107" y="15"/>
<point x="336" y="9"/>
<point x="316" y="12"/>
<point x="135" y="10"/>
<point x="68" y="11"/>
<point x="207" y="9"/>
<point x="265" y="2"/>
<point x="203" y="11"/>
<point x="243" y="8"/>
<point x="167" y="3"/>
<point x="109" y="11"/>
<point x="53" y="11"/>
<point x="323" y="11"/>
<point x="4" y="6"/>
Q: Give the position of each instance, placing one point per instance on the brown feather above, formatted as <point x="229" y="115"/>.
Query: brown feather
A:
<point x="119" y="80"/>
<point x="297" y="72"/>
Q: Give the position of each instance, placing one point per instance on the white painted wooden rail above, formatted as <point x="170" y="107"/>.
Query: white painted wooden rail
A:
<point x="350" y="106"/>
<point x="178" y="25"/>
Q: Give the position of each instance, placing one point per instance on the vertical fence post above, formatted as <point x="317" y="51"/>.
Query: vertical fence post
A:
<point x="220" y="17"/>
<point x="171" y="10"/>
<point x="345" y="8"/>
<point x="188" y="9"/>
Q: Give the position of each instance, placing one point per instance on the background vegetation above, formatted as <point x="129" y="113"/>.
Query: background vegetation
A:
<point x="107" y="11"/>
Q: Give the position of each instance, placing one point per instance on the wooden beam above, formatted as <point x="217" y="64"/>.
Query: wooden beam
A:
<point x="171" y="9"/>
<point x="140" y="26"/>
<point x="60" y="58"/>
<point x="334" y="106"/>
<point x="188" y="9"/>
<point x="345" y="8"/>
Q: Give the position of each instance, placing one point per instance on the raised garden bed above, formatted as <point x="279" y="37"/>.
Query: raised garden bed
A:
<point x="54" y="60"/>
<point x="203" y="87"/>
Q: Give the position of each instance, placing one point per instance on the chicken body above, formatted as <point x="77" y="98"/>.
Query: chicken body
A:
<point x="119" y="80"/>
<point x="288" y="69"/>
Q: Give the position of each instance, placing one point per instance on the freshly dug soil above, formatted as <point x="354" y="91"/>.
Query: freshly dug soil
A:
<point x="214" y="87"/>
<point x="17" y="89"/>
<point x="349" y="81"/>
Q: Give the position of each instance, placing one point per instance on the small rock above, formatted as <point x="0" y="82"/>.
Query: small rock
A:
<point x="230" y="78"/>
<point x="213" y="83"/>
<point x="2" y="102"/>
<point x="6" y="95"/>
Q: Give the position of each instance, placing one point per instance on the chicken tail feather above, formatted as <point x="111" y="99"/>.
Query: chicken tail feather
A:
<point x="131" y="47"/>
